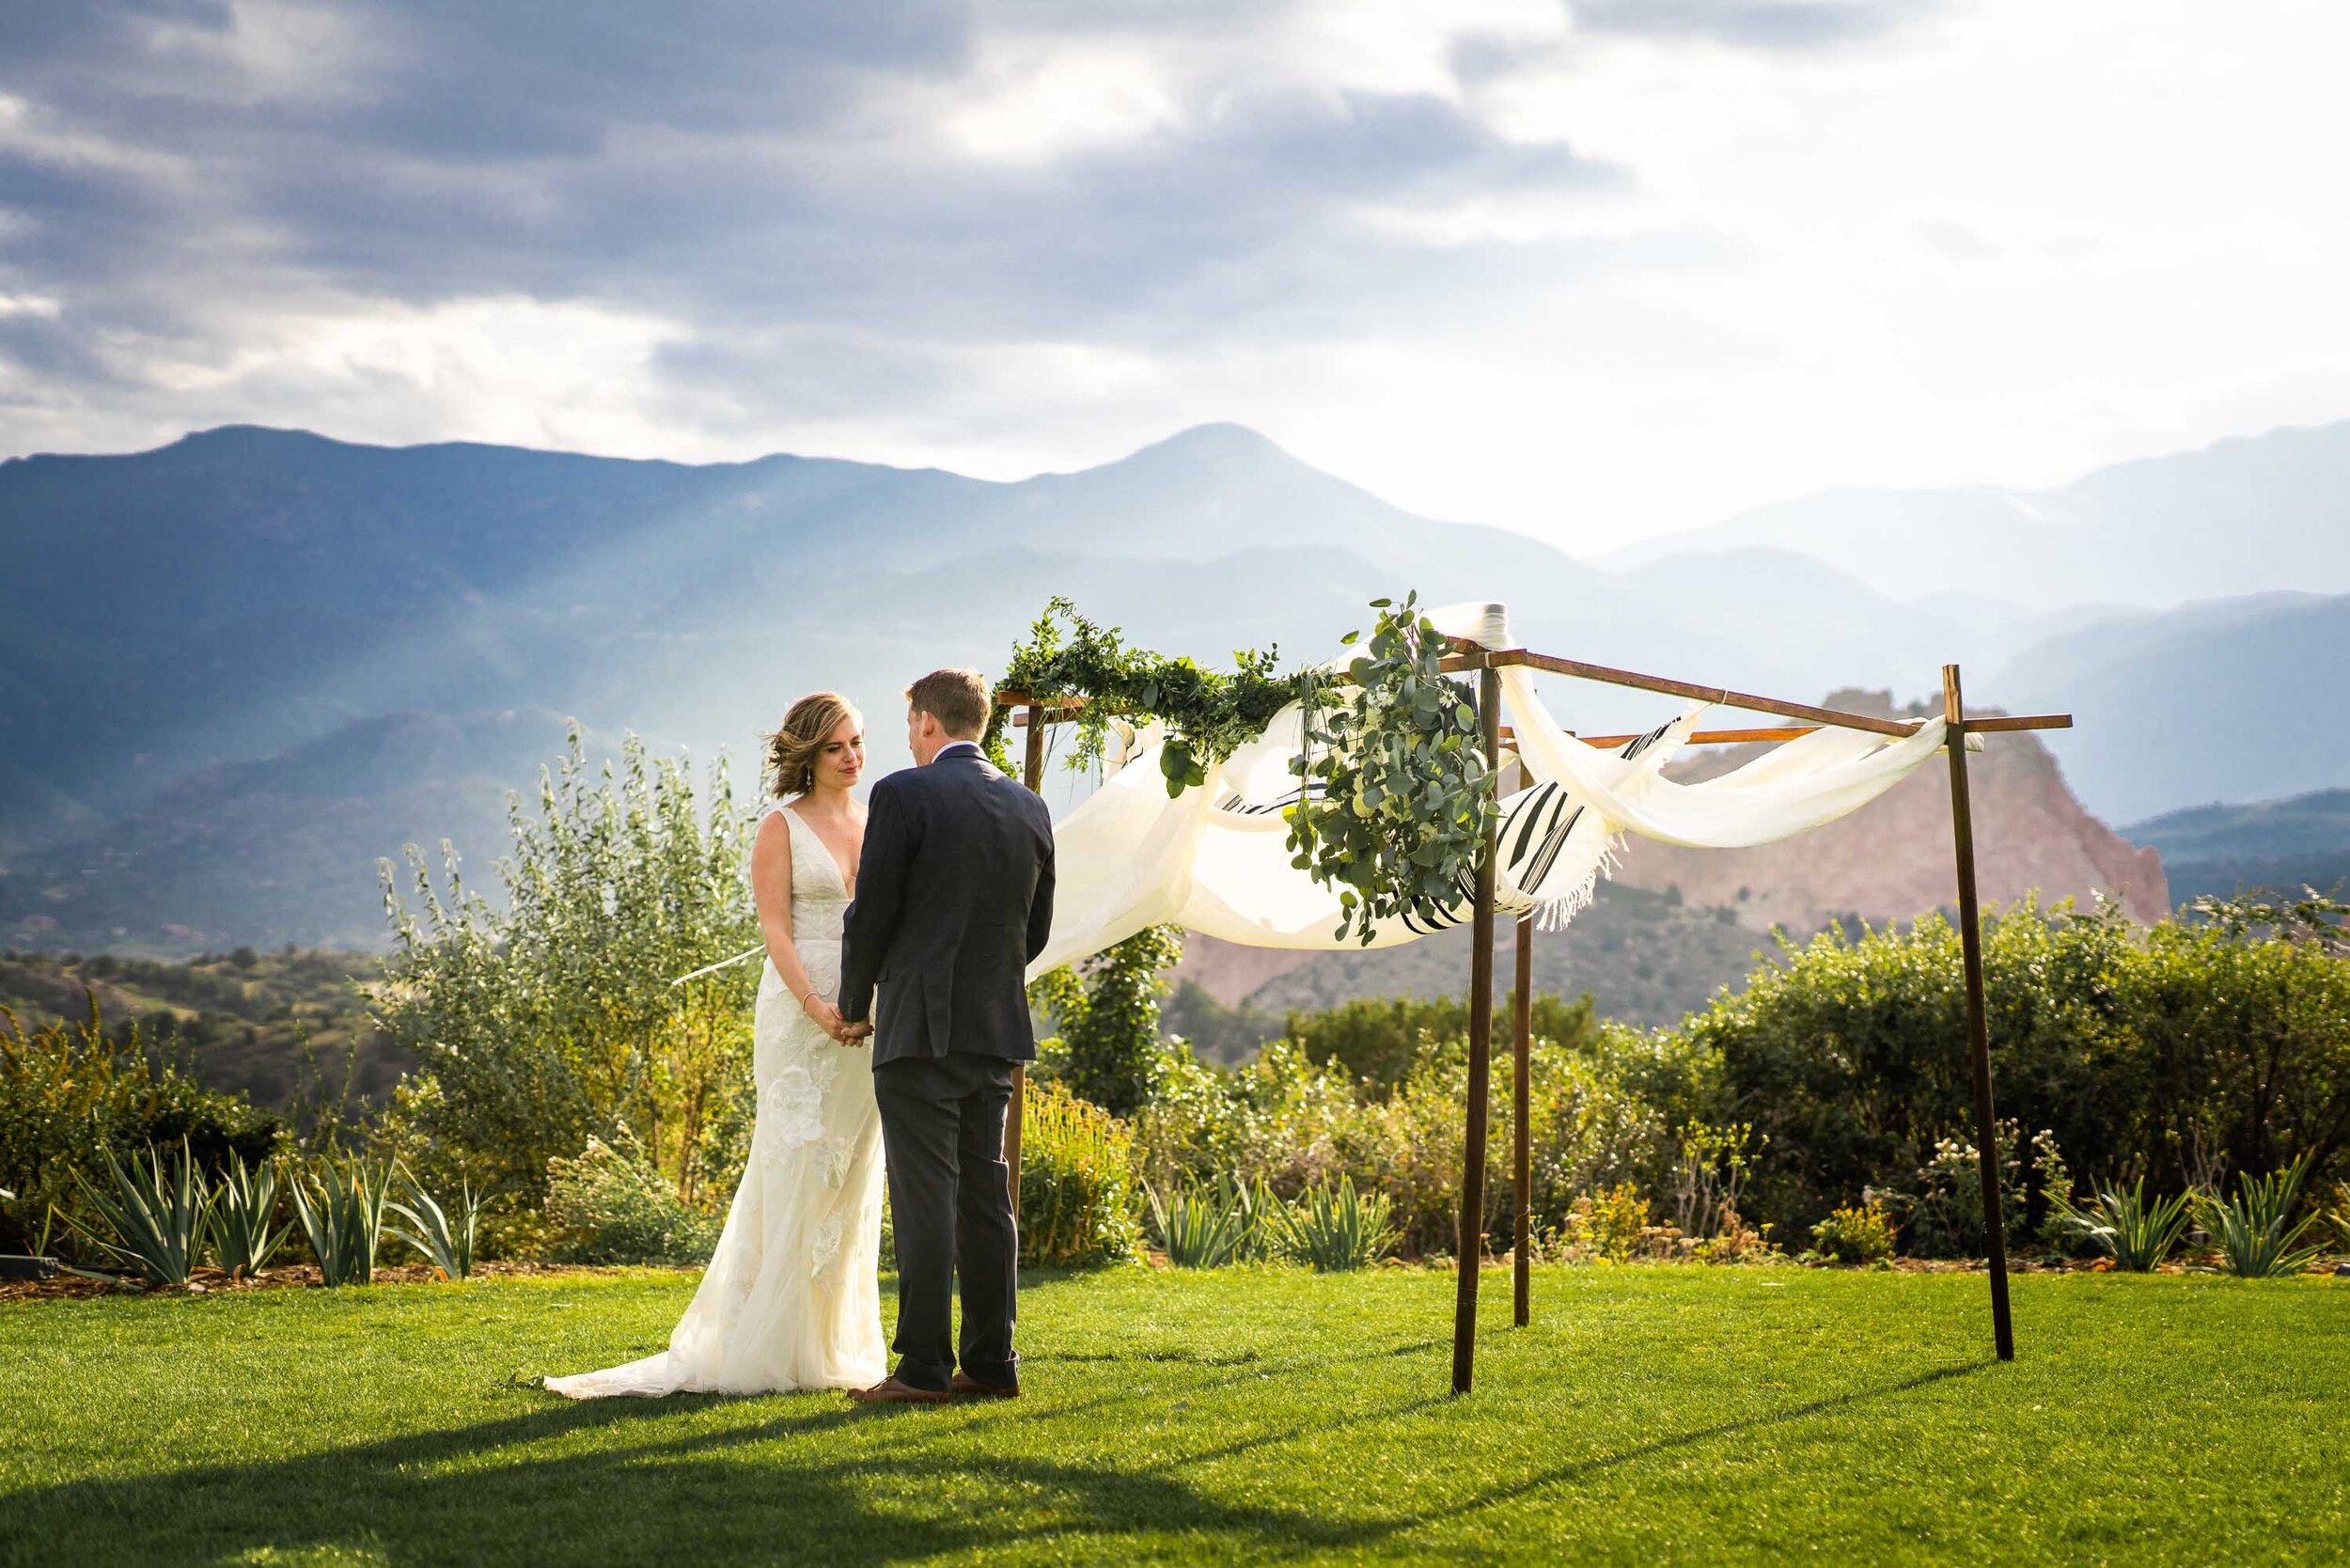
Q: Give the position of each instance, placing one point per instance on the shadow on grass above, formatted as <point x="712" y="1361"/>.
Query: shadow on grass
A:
<point x="644" y="1490"/>
<point x="1599" y="1463"/>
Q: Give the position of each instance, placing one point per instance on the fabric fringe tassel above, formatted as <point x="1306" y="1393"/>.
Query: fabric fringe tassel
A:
<point x="1554" y="913"/>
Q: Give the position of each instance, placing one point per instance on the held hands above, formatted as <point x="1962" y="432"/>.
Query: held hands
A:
<point x="828" y="1019"/>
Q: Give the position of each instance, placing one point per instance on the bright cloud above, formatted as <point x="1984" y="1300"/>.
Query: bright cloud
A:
<point x="1592" y="270"/>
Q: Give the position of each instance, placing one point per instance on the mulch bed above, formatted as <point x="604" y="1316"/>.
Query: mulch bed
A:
<point x="211" y="1281"/>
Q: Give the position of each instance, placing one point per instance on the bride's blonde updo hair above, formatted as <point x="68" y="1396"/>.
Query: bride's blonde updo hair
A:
<point x="791" y="750"/>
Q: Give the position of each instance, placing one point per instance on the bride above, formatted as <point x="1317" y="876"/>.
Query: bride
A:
<point x="791" y="1299"/>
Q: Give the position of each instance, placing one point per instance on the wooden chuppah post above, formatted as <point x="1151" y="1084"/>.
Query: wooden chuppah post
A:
<point x="1521" y="1106"/>
<point x="1032" y="771"/>
<point x="1470" y="1240"/>
<point x="1978" y="1021"/>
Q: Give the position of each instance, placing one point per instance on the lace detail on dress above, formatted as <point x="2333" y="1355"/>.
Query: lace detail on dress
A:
<point x="791" y="1106"/>
<point x="827" y="1247"/>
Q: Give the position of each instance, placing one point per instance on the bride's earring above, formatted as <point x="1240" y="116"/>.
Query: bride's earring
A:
<point x="807" y="779"/>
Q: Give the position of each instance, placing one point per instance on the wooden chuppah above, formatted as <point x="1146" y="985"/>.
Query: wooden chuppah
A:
<point x="1471" y="1231"/>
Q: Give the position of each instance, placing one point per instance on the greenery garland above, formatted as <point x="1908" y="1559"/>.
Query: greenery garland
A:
<point x="1207" y="713"/>
<point x="1397" y="797"/>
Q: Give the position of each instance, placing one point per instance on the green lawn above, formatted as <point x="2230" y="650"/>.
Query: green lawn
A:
<point x="1651" y="1415"/>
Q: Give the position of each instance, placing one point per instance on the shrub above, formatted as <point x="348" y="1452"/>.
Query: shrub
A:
<point x="1332" y="1230"/>
<point x="1382" y="1039"/>
<point x="1857" y="1233"/>
<point x="1079" y="1196"/>
<point x="246" y="1232"/>
<point x="609" y="1205"/>
<point x="1614" y="1225"/>
<point x="2199" y="1039"/>
<point x="1598" y="1113"/>
<point x="1735" y="1240"/>
<point x="1945" y="1213"/>
<point x="1107" y="1015"/>
<point x="2135" y="1232"/>
<point x="2239" y="1021"/>
<point x="2256" y="1240"/>
<point x="1709" y="1179"/>
<point x="1711" y="1171"/>
<point x="149" y="1219"/>
<point x="552" y="1020"/>
<point x="1279" y="1118"/>
<point x="342" y="1210"/>
<point x="74" y="1094"/>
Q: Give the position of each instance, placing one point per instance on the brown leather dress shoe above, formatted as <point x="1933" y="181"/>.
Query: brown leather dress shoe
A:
<point x="890" y="1392"/>
<point x="971" y="1388"/>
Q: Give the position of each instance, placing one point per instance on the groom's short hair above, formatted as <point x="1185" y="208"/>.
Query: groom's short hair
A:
<point x="958" y="698"/>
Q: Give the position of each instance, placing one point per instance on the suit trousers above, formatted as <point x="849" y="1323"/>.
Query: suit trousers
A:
<point x="943" y="1131"/>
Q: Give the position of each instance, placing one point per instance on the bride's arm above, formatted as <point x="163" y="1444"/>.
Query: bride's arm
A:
<point x="770" y="890"/>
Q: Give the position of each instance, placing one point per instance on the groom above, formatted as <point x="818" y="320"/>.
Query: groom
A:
<point x="954" y="896"/>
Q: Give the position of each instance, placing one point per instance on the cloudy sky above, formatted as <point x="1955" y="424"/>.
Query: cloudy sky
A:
<point x="1594" y="269"/>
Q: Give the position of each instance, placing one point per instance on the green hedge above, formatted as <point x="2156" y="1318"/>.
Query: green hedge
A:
<point x="2178" y="1050"/>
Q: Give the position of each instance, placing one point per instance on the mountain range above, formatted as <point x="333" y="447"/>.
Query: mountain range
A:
<point x="236" y="669"/>
<point x="2241" y="516"/>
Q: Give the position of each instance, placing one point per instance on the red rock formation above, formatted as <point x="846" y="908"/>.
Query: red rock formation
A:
<point x="1892" y="860"/>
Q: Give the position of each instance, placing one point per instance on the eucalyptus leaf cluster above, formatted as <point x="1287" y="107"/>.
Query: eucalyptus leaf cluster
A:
<point x="1398" y="797"/>
<point x="1208" y="713"/>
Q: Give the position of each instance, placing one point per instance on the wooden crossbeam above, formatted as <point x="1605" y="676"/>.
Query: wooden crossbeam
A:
<point x="1071" y="706"/>
<point x="1724" y="696"/>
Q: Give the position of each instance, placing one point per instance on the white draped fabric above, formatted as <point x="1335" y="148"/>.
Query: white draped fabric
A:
<point x="1214" y="859"/>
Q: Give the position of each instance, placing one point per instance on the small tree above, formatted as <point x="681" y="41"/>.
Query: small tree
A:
<point x="1108" y="1012"/>
<point x="552" y="1020"/>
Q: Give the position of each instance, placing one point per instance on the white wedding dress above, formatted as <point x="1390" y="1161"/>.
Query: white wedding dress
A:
<point x="791" y="1299"/>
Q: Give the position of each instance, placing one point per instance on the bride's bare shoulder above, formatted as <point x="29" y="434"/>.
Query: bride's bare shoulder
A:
<point x="773" y="835"/>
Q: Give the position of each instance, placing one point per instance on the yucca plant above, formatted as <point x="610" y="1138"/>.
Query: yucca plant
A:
<point x="2255" y="1239"/>
<point x="152" y="1219"/>
<point x="245" y="1230"/>
<point x="1334" y="1230"/>
<point x="447" y="1245"/>
<point x="1258" y="1204"/>
<point x="341" y="1209"/>
<point x="2135" y="1232"/>
<point x="1203" y="1227"/>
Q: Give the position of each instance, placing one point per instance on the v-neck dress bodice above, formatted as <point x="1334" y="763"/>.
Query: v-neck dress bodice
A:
<point x="820" y="891"/>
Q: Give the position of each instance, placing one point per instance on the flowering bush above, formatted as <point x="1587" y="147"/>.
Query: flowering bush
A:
<point x="1857" y="1233"/>
<point x="608" y="1205"/>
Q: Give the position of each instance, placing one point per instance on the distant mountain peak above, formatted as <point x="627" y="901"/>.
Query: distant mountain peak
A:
<point x="250" y="438"/>
<point x="1221" y="446"/>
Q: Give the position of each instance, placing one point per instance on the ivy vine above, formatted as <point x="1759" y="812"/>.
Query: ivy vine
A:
<point x="1397" y="798"/>
<point x="1207" y="713"/>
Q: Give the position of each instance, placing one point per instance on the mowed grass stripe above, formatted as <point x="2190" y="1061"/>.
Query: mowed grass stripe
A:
<point x="1649" y="1415"/>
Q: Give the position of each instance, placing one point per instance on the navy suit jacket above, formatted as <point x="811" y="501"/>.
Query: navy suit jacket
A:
<point x="954" y="896"/>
